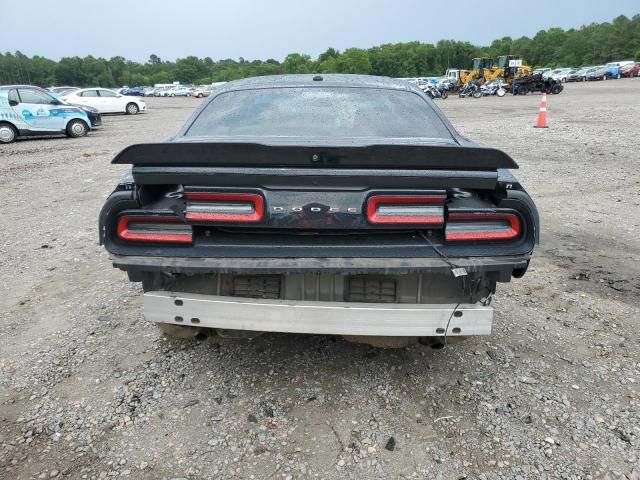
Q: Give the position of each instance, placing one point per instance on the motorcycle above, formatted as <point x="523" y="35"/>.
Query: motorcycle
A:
<point x="493" y="88"/>
<point x="471" y="89"/>
<point x="435" y="91"/>
<point x="443" y="88"/>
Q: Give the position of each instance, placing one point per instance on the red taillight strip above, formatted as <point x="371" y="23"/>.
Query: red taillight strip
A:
<point x="510" y="234"/>
<point x="175" y="237"/>
<point x="256" y="200"/>
<point x="376" y="200"/>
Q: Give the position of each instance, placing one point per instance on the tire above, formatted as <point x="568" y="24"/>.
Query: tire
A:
<point x="8" y="133"/>
<point x="445" y="94"/>
<point x="556" y="89"/>
<point x="604" y="77"/>
<point x="477" y="94"/>
<point x="523" y="91"/>
<point x="132" y="109"/>
<point x="199" y="95"/>
<point x="77" y="128"/>
<point x="188" y="94"/>
<point x="618" y="76"/>
<point x="501" y="92"/>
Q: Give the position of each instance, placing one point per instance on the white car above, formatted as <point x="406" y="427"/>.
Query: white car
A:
<point x="202" y="91"/>
<point x="106" y="101"/>
<point x="561" y="74"/>
<point x="179" y="91"/>
<point x="164" y="92"/>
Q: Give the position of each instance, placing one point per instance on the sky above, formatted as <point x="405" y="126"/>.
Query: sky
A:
<point x="266" y="29"/>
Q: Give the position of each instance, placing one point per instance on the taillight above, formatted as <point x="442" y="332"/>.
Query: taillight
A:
<point x="405" y="209"/>
<point x="224" y="207"/>
<point x="482" y="226"/>
<point x="154" y="228"/>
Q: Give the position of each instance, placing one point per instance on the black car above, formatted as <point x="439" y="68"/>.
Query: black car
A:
<point x="328" y="204"/>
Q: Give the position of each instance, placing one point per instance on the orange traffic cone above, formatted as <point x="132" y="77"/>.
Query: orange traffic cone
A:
<point x="542" y="114"/>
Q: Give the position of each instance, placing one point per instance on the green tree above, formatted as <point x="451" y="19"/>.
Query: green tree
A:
<point x="160" y="77"/>
<point x="354" y="60"/>
<point x="297" y="63"/>
<point x="189" y="69"/>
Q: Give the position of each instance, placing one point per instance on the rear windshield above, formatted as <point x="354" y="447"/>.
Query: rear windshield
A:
<point x="319" y="113"/>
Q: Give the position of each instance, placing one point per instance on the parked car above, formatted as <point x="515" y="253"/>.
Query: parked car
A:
<point x="106" y="101"/>
<point x="600" y="72"/>
<point x="60" y="90"/>
<point x="630" y="70"/>
<point x="161" y="91"/>
<point x="149" y="92"/>
<point x="578" y="75"/>
<point x="133" y="92"/>
<point x="550" y="73"/>
<point x="540" y="71"/>
<point x="179" y="91"/>
<point x="561" y="74"/>
<point x="613" y="68"/>
<point x="202" y="91"/>
<point x="26" y="110"/>
<point x="94" y="115"/>
<point x="95" y="118"/>
<point x="331" y="217"/>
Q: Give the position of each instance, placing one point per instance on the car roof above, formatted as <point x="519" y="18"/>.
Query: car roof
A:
<point x="325" y="80"/>
<point x="93" y="88"/>
<point x="8" y="87"/>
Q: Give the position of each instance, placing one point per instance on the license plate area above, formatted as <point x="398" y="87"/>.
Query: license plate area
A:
<point x="257" y="286"/>
<point x="371" y="289"/>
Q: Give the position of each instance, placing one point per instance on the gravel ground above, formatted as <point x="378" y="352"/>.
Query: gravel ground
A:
<point x="88" y="389"/>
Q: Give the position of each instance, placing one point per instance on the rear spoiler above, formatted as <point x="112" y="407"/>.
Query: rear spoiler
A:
<point x="221" y="154"/>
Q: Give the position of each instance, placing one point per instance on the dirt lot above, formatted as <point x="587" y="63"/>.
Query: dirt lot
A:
<point x="88" y="389"/>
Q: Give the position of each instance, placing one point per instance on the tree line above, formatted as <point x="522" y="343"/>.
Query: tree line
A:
<point x="589" y="45"/>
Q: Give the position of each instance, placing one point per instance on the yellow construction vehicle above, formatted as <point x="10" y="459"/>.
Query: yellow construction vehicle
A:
<point x="484" y="66"/>
<point x="459" y="77"/>
<point x="503" y="70"/>
<point x="478" y="67"/>
<point x="486" y="69"/>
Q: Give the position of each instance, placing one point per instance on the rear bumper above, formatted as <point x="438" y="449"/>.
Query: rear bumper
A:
<point x="504" y="265"/>
<point x="331" y="318"/>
